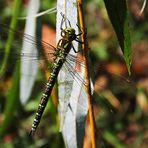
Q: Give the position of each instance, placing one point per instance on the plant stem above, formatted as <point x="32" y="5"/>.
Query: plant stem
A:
<point x="13" y="24"/>
<point x="87" y="75"/>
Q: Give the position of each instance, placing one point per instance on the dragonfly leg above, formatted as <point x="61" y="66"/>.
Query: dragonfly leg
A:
<point x="79" y="34"/>
<point x="75" y="49"/>
<point x="79" y="27"/>
<point x="62" y="21"/>
<point x="79" y="41"/>
<point x="69" y="23"/>
<point x="61" y="24"/>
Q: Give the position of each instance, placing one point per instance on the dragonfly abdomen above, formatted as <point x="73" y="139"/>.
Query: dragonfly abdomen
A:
<point x="63" y="48"/>
<point x="47" y="92"/>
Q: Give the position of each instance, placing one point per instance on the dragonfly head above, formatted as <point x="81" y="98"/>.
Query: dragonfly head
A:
<point x="69" y="33"/>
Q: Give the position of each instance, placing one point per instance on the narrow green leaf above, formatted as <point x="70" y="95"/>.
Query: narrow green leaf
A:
<point x="113" y="139"/>
<point x="16" y="12"/>
<point x="11" y="102"/>
<point x="118" y="14"/>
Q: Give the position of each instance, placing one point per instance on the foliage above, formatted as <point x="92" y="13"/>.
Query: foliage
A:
<point x="120" y="104"/>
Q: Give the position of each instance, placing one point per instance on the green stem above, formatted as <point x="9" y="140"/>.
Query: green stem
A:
<point x="13" y="24"/>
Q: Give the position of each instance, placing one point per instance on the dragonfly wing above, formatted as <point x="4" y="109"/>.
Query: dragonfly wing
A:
<point x="74" y="103"/>
<point x="65" y="87"/>
<point x="75" y="107"/>
<point x="112" y="71"/>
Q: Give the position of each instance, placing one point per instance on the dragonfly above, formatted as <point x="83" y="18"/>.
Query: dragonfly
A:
<point x="60" y="55"/>
<point x="60" y="52"/>
<point x="63" y="48"/>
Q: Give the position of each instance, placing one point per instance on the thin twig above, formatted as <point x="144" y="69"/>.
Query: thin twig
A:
<point x="87" y="76"/>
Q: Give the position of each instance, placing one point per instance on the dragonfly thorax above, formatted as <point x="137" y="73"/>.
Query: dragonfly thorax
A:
<point x="60" y="53"/>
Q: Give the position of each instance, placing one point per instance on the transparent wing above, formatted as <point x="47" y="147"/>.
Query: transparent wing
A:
<point x="24" y="48"/>
<point x="112" y="71"/>
<point x="16" y="54"/>
<point x="19" y="36"/>
<point x="16" y="48"/>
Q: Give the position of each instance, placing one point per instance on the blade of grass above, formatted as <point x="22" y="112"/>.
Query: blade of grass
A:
<point x="112" y="138"/>
<point x="13" y="24"/>
<point x="11" y="101"/>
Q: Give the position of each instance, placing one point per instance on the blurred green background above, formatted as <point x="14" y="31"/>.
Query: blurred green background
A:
<point x="120" y="101"/>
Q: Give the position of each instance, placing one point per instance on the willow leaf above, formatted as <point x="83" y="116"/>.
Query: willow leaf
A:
<point x="118" y="14"/>
<point x="73" y="105"/>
